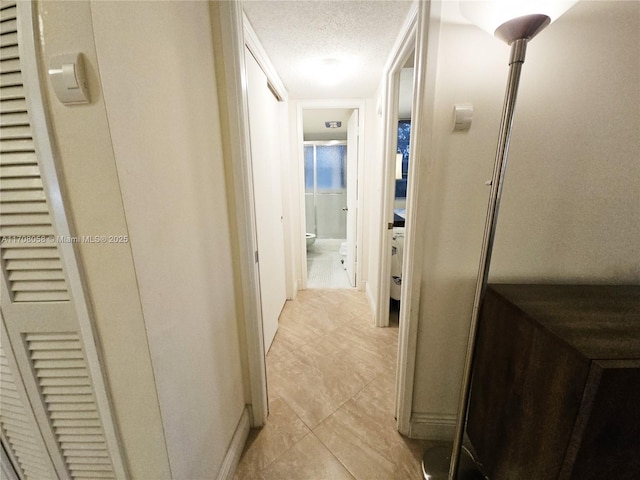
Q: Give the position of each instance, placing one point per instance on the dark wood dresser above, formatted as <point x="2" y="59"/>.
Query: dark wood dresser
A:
<point x="556" y="383"/>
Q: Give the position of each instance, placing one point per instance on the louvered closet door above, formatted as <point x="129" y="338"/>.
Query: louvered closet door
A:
<point x="54" y="414"/>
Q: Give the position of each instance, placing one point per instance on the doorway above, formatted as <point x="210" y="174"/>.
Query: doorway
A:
<point x="329" y="159"/>
<point x="325" y="195"/>
<point x="400" y="178"/>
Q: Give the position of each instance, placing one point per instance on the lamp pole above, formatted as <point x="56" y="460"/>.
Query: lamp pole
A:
<point x="518" y="51"/>
<point x="461" y="466"/>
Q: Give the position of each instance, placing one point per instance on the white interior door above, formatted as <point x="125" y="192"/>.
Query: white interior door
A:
<point x="352" y="195"/>
<point x="267" y="190"/>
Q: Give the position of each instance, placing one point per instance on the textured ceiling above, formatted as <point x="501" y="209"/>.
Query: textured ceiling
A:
<point x="360" y="34"/>
<point x="313" y="121"/>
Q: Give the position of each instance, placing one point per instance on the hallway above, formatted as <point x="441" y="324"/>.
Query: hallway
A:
<point x="331" y="378"/>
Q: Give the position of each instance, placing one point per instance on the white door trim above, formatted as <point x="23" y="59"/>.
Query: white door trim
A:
<point x="279" y="90"/>
<point x="234" y="95"/>
<point x="402" y="51"/>
<point x="426" y="50"/>
<point x="355" y="104"/>
<point x="252" y="42"/>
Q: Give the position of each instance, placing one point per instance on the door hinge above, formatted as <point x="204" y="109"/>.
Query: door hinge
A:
<point x="256" y="256"/>
<point x="390" y="226"/>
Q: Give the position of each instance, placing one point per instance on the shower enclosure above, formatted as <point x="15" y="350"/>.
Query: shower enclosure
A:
<point x="325" y="177"/>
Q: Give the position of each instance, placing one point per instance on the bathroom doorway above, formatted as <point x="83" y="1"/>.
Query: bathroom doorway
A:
<point x="325" y="198"/>
<point x="330" y="158"/>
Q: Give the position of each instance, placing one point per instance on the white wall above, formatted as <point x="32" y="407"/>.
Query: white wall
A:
<point x="571" y="203"/>
<point x="156" y="64"/>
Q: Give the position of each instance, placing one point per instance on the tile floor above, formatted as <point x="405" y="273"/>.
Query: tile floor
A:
<point x="331" y="380"/>
<point x="324" y="268"/>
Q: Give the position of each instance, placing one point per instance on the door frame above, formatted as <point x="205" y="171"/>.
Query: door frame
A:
<point x="400" y="55"/>
<point x="413" y="38"/>
<point x="298" y="164"/>
<point x="422" y="35"/>
<point x="228" y="21"/>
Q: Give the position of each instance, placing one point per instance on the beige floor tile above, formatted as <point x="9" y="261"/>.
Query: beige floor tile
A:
<point x="382" y="342"/>
<point x="309" y="459"/>
<point x="282" y="430"/>
<point x="315" y="383"/>
<point x="331" y="372"/>
<point x="283" y="343"/>
<point x="362" y="435"/>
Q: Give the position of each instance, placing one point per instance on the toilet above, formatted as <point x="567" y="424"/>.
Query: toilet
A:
<point x="343" y="254"/>
<point x="311" y="238"/>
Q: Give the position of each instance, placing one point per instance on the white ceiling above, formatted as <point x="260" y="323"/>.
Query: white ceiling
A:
<point x="313" y="121"/>
<point x="360" y="34"/>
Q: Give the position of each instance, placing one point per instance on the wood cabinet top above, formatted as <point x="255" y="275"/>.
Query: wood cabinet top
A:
<point x="600" y="321"/>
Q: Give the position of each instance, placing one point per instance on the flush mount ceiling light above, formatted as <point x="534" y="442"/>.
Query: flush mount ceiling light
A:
<point x="516" y="22"/>
<point x="333" y="124"/>
<point x="327" y="71"/>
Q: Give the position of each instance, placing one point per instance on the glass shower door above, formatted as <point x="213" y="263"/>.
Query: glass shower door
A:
<point x="326" y="189"/>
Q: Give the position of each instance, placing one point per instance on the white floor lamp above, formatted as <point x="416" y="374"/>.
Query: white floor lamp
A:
<point x="515" y="22"/>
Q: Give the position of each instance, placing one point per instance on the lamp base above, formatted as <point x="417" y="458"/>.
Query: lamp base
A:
<point x="436" y="460"/>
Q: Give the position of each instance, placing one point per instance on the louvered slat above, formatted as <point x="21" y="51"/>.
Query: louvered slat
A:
<point x="9" y="119"/>
<point x="20" y="132"/>
<point x="10" y="52"/>
<point x="20" y="171"/>
<point x="9" y="25"/>
<point x="10" y="80"/>
<point x="10" y="65"/>
<point x="9" y="93"/>
<point x="70" y="403"/>
<point x="24" y="207"/>
<point x="34" y="273"/>
<point x="23" y="196"/>
<point x="18" y="430"/>
<point x="14" y="105"/>
<point x="10" y="146"/>
<point x="8" y="12"/>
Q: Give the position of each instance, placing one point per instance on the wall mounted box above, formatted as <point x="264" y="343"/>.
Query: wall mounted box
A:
<point x="68" y="78"/>
<point x="556" y="383"/>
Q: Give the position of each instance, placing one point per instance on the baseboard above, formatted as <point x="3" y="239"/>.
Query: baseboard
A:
<point x="428" y="426"/>
<point x="373" y="301"/>
<point x="232" y="457"/>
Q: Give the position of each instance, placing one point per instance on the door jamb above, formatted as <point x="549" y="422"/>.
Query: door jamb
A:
<point x="402" y="50"/>
<point x="414" y="37"/>
<point x="234" y="95"/>
<point x="426" y="45"/>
